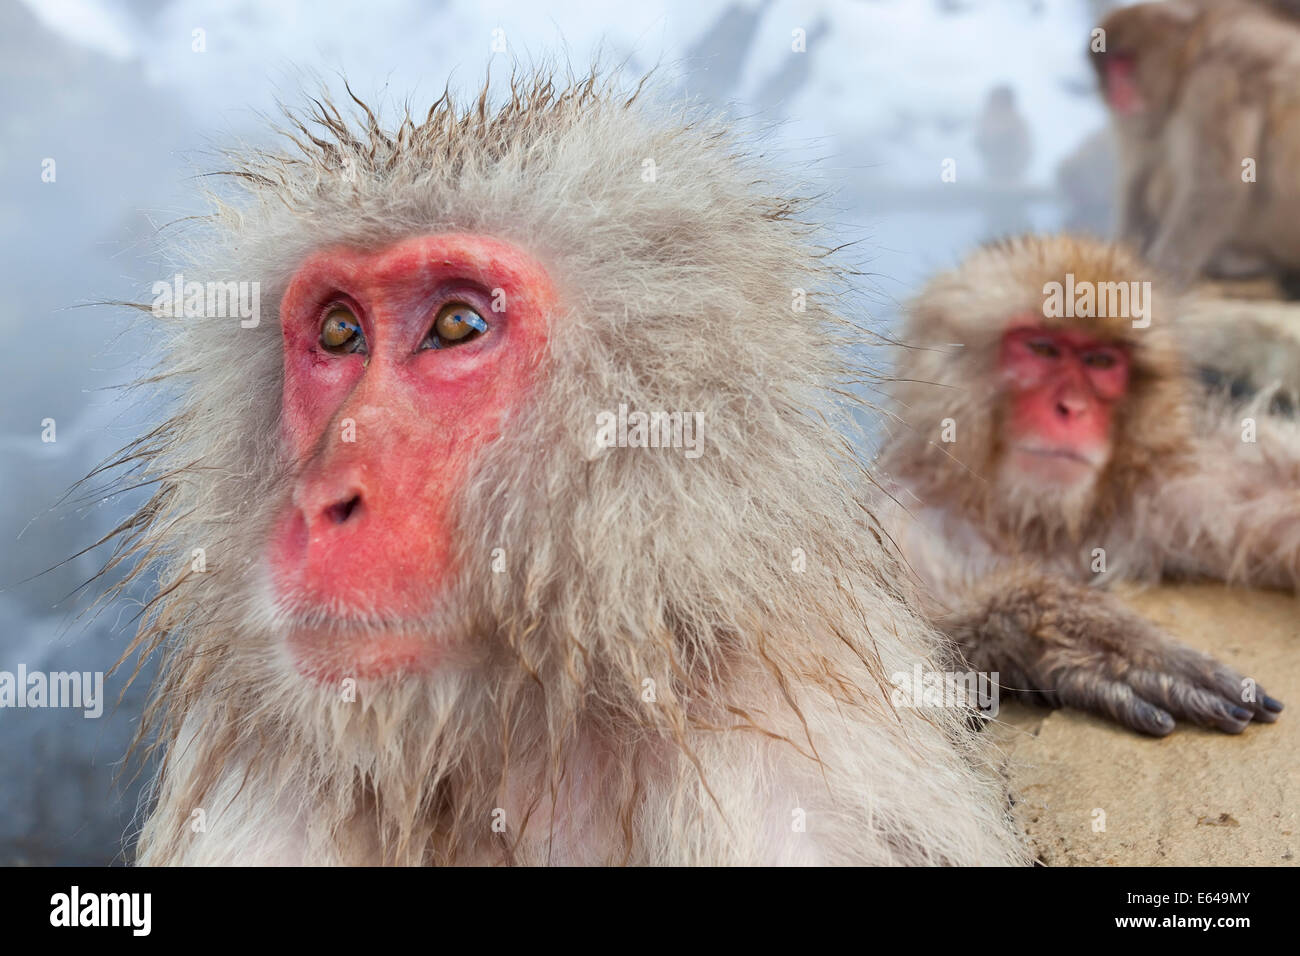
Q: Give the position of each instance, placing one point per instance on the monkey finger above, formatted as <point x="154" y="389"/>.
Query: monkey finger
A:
<point x="1203" y="670"/>
<point x="1263" y="708"/>
<point x="1206" y="706"/>
<point x="1252" y="697"/>
<point x="1116" y="700"/>
<point x="1241" y="694"/>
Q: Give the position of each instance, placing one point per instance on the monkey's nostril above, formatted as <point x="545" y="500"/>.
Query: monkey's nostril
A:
<point x="342" y="511"/>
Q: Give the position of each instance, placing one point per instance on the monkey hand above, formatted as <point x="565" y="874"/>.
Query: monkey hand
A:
<point x="1154" y="680"/>
<point x="1077" y="647"/>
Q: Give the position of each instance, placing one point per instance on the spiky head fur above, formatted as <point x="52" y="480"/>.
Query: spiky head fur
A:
<point x="622" y="566"/>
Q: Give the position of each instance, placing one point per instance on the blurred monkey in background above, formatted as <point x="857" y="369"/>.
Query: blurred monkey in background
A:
<point x="1002" y="137"/>
<point x="1050" y="441"/>
<point x="1205" y="102"/>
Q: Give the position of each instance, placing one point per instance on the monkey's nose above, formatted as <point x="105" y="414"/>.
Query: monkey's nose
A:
<point x="1071" y="406"/>
<point x="344" y="510"/>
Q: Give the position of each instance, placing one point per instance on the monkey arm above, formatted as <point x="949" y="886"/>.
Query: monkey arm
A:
<point x="1134" y="224"/>
<point x="1210" y="135"/>
<point x="1072" y="646"/>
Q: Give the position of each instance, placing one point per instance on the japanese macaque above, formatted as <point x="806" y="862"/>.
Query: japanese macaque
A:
<point x="1050" y="442"/>
<point x="1002" y="137"/>
<point x="1204" y="104"/>
<point x="442" y="616"/>
<point x="1247" y="352"/>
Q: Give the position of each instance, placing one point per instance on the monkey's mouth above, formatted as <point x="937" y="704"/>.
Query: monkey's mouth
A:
<point x="1050" y="468"/>
<point x="1068" y="454"/>
<point x="331" y="652"/>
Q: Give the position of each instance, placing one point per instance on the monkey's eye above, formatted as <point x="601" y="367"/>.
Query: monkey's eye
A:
<point x="1099" y="360"/>
<point x="455" y="324"/>
<point x="340" y="331"/>
<point x="1043" y="348"/>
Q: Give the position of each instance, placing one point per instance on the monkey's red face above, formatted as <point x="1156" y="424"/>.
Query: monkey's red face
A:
<point x="400" y="365"/>
<point x="1062" y="389"/>
<point x="1123" y="92"/>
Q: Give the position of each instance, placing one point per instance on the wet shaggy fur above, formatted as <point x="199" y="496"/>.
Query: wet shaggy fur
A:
<point x="655" y="681"/>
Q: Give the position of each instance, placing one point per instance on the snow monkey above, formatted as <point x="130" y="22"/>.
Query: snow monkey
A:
<point x="1248" y="351"/>
<point x="457" y="604"/>
<point x="1051" y="442"/>
<point x="1203" y="98"/>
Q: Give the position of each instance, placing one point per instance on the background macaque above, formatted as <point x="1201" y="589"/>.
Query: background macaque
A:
<point x="1204" y="103"/>
<point x="1245" y="351"/>
<point x="1040" y="456"/>
<point x="438" y="622"/>
<point x="1002" y="137"/>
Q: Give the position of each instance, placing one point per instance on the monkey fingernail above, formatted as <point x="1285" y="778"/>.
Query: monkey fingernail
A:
<point x="1266" y="709"/>
<point x="1241" y="713"/>
<point x="1154" y="721"/>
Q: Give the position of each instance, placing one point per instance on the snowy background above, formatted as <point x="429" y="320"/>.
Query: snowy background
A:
<point x="118" y="95"/>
